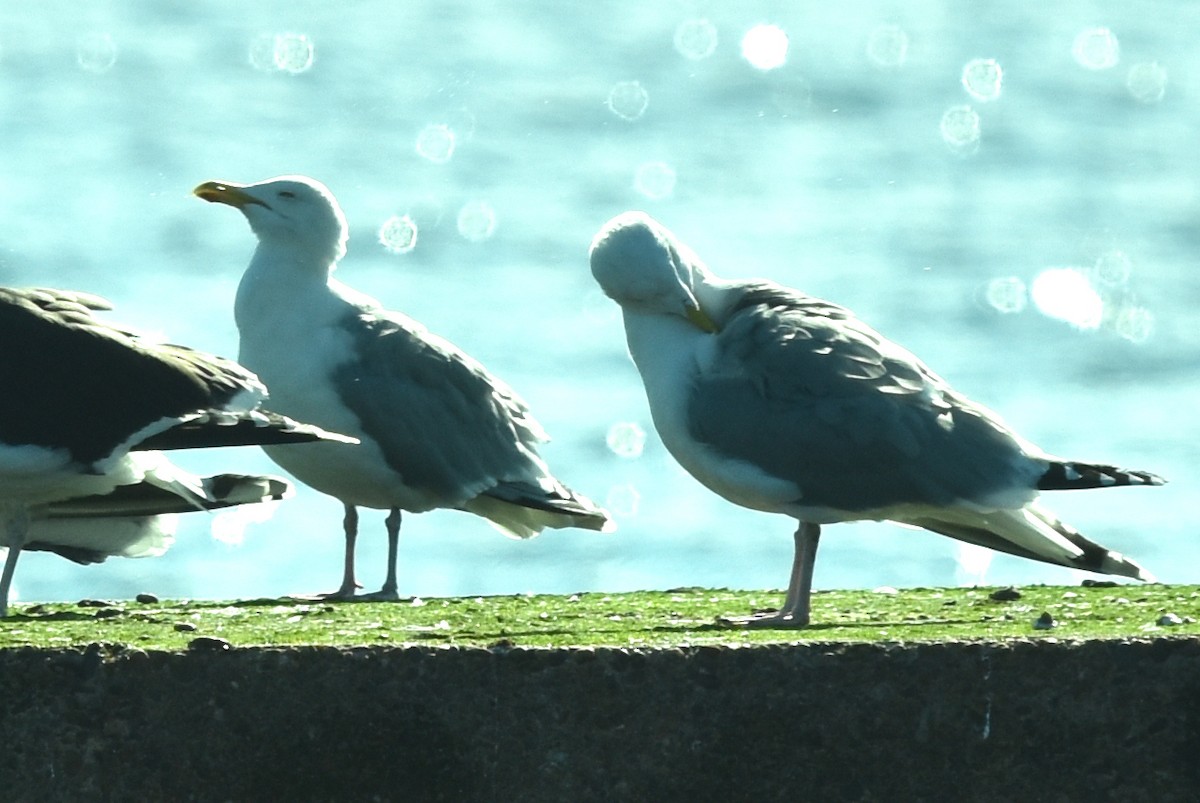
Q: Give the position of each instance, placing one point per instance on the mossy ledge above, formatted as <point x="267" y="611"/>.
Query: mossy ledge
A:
<point x="1033" y="716"/>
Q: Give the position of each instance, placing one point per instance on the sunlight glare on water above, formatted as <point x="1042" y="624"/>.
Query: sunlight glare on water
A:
<point x="476" y="221"/>
<point x="1096" y="49"/>
<point x="435" y="142"/>
<point x="765" y="47"/>
<point x="982" y="78"/>
<point x="961" y="130"/>
<point x="696" y="39"/>
<point x="887" y="46"/>
<point x="398" y="234"/>
<point x="1067" y="295"/>
<point x="1147" y="82"/>
<point x="96" y="52"/>
<point x="655" y="180"/>
<point x="626" y="439"/>
<point x="628" y="100"/>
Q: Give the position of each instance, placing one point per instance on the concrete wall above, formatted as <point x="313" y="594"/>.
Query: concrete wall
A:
<point x="1038" y="720"/>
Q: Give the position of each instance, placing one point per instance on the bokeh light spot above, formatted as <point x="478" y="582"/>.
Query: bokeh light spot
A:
<point x="626" y="439"/>
<point x="1147" y="82"/>
<point x="961" y="129"/>
<point x="623" y="500"/>
<point x="476" y="221"/>
<point x="628" y="100"/>
<point x="887" y="46"/>
<point x="982" y="79"/>
<point x="398" y="234"/>
<point x="1113" y="268"/>
<point x="655" y="180"/>
<point x="1135" y="324"/>
<point x="435" y="142"/>
<point x="284" y="52"/>
<point x="696" y="39"/>
<point x="1007" y="294"/>
<point x="96" y="52"/>
<point x="1067" y="295"/>
<point x="293" y="53"/>
<point x="765" y="47"/>
<point x="971" y="563"/>
<point x="1096" y="49"/>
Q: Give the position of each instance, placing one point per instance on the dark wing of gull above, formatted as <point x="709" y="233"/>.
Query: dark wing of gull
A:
<point x="75" y="382"/>
<point x="807" y="392"/>
<point x="78" y="383"/>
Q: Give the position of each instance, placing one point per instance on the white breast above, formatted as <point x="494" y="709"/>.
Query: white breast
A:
<point x="671" y="355"/>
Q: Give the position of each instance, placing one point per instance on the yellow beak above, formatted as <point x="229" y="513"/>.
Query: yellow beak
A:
<point x="700" y="319"/>
<point x="224" y="192"/>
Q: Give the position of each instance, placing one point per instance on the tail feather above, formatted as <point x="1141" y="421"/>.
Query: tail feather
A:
<point x="1063" y="475"/>
<point x="520" y="510"/>
<point x="151" y="499"/>
<point x="93" y="539"/>
<point x="138" y="520"/>
<point x="1035" y="533"/>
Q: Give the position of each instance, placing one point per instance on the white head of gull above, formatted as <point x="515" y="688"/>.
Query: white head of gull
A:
<point x="785" y="403"/>
<point x="437" y="430"/>
<point x="86" y="407"/>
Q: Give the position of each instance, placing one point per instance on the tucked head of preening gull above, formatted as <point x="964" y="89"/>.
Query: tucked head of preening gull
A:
<point x="437" y="429"/>
<point x="85" y="405"/>
<point x="785" y="403"/>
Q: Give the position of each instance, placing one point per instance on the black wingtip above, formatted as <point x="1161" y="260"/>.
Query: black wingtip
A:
<point x="1069" y="475"/>
<point x="216" y="428"/>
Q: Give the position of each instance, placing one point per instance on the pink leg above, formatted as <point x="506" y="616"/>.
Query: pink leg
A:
<point x="389" y="590"/>
<point x="350" y="585"/>
<point x="795" y="610"/>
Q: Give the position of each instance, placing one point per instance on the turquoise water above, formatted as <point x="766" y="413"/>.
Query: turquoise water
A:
<point x="864" y="170"/>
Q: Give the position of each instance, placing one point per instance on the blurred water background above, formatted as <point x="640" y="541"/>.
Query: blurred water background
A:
<point x="1008" y="190"/>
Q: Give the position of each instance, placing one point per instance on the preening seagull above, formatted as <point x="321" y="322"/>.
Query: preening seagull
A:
<point x="437" y="430"/>
<point x="84" y="408"/>
<point x="785" y="403"/>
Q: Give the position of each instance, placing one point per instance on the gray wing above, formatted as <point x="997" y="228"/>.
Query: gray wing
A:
<point x="444" y="423"/>
<point x="806" y="391"/>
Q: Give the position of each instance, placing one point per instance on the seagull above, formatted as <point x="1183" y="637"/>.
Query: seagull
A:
<point x="784" y="403"/>
<point x="437" y="430"/>
<point x="86" y="407"/>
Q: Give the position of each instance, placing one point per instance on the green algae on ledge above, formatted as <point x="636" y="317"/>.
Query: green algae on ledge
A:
<point x="643" y="619"/>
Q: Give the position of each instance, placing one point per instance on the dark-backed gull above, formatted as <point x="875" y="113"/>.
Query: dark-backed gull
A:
<point x="86" y="406"/>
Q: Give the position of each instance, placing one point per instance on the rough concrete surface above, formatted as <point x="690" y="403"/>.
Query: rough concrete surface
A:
<point x="1034" y="720"/>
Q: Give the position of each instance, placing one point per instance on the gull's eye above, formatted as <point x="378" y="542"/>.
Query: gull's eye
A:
<point x="286" y="194"/>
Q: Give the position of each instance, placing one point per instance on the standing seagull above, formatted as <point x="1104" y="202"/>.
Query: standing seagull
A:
<point x="84" y="406"/>
<point x="785" y="403"/>
<point x="437" y="430"/>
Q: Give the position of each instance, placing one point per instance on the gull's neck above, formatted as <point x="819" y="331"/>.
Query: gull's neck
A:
<point x="277" y="275"/>
<point x="667" y="350"/>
